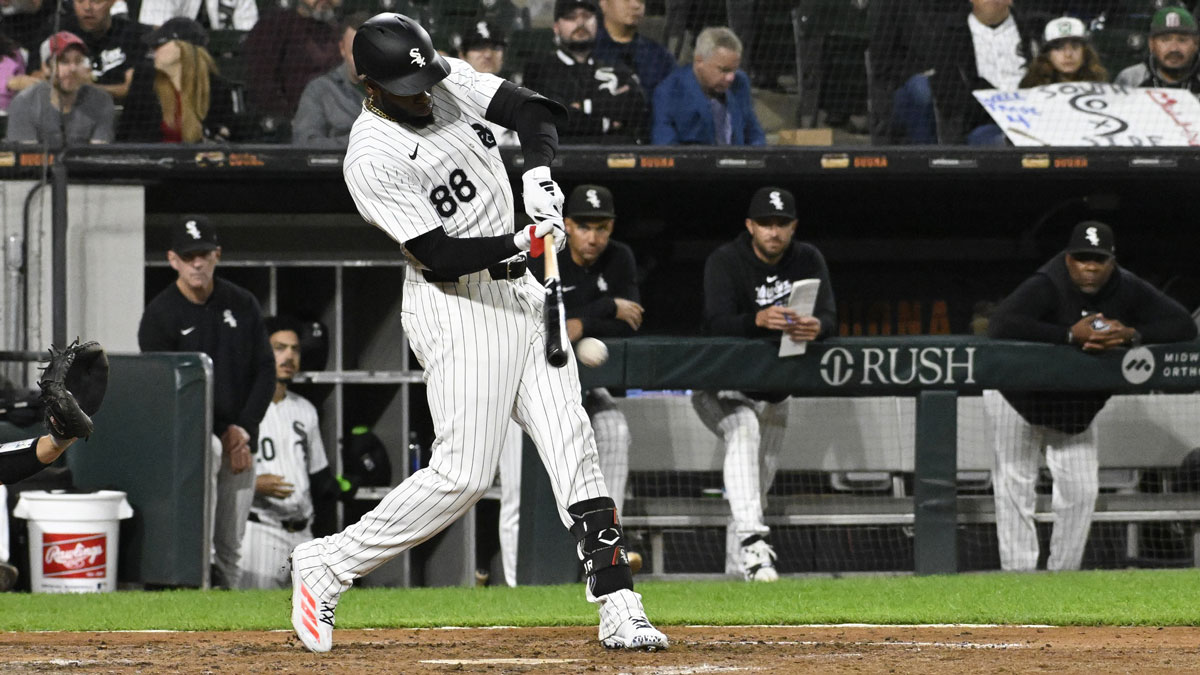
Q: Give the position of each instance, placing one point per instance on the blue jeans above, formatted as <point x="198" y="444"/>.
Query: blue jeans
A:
<point x="986" y="134"/>
<point x="912" y="112"/>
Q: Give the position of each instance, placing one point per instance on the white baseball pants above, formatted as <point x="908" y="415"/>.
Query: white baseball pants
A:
<point x="612" y="445"/>
<point x="1074" y="467"/>
<point x="482" y="345"/>
<point x="753" y="434"/>
<point x="231" y="495"/>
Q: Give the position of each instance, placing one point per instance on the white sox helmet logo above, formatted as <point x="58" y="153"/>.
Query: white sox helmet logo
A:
<point x="593" y="199"/>
<point x="1093" y="236"/>
<point x="192" y="230"/>
<point x="776" y="200"/>
<point x="415" y="53"/>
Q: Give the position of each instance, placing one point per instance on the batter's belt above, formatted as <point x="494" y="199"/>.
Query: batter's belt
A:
<point x="514" y="269"/>
<point x="295" y="525"/>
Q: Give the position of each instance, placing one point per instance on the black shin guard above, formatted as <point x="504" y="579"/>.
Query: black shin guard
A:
<point x="601" y="545"/>
<point x="18" y="461"/>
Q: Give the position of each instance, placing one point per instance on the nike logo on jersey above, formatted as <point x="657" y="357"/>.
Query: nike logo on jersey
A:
<point x="186" y="331"/>
<point x="415" y="149"/>
<point x="771" y="280"/>
<point x="568" y="289"/>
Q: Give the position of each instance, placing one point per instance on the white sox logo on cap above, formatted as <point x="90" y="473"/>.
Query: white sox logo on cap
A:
<point x="776" y="200"/>
<point x="482" y="29"/>
<point x="1093" y="236"/>
<point x="415" y="53"/>
<point x="1172" y="20"/>
<point x="593" y="199"/>
<point x="192" y="229"/>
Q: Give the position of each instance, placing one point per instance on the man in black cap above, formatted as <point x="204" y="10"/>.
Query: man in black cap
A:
<point x="605" y="100"/>
<point x="601" y="296"/>
<point x="482" y="46"/>
<point x="203" y="313"/>
<point x="747" y="284"/>
<point x="1080" y="297"/>
<point x="1171" y="53"/>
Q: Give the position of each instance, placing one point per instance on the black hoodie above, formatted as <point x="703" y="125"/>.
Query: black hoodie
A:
<point x="1045" y="306"/>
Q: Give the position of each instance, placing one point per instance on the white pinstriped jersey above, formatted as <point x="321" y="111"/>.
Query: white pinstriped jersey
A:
<point x="407" y="180"/>
<point x="289" y="445"/>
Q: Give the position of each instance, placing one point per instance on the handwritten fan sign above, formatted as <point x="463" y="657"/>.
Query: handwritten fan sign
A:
<point x="1095" y="113"/>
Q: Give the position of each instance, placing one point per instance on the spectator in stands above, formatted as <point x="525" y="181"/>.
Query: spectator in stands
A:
<point x="285" y="50"/>
<point x="502" y="15"/>
<point x="12" y="64"/>
<point x="747" y="284"/>
<point x="482" y="45"/>
<point x="986" y="49"/>
<point x="618" y="41"/>
<point x="331" y="103"/>
<point x="605" y="102"/>
<point x="28" y="23"/>
<point x="187" y="100"/>
<point x="1118" y="310"/>
<point x="1171" y="60"/>
<point x="114" y="43"/>
<point x="212" y="14"/>
<point x="707" y="102"/>
<point x="1066" y="56"/>
<point x="483" y="48"/>
<point x="601" y="297"/>
<point x="66" y="109"/>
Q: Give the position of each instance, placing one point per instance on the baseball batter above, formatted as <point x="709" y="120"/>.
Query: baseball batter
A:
<point x="290" y="459"/>
<point x="423" y="166"/>
<point x="747" y="282"/>
<point x="1083" y="298"/>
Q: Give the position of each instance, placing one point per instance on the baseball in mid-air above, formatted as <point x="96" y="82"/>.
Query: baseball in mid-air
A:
<point x="591" y="352"/>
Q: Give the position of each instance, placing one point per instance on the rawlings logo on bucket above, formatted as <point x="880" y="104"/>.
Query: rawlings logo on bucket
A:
<point x="73" y="556"/>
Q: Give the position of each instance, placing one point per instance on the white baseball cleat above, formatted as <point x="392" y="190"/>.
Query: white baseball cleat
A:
<point x="623" y="623"/>
<point x="315" y="593"/>
<point x="758" y="560"/>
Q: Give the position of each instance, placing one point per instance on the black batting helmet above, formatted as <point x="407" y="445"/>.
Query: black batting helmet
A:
<point x="396" y="53"/>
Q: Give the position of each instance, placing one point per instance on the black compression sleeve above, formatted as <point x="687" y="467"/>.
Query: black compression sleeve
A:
<point x="537" y="133"/>
<point x="452" y="256"/>
<point x="18" y="463"/>
<point x="532" y="116"/>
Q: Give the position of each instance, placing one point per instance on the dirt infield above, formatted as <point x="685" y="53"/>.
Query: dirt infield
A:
<point x="926" y="650"/>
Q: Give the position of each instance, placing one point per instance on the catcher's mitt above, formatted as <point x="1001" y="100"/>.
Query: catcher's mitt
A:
<point x="73" y="385"/>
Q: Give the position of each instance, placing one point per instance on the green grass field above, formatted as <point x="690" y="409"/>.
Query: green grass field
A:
<point x="1144" y="597"/>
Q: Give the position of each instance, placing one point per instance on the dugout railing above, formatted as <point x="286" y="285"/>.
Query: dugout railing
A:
<point x="939" y="376"/>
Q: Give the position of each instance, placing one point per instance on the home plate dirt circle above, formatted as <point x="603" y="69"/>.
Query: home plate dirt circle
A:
<point x="927" y="650"/>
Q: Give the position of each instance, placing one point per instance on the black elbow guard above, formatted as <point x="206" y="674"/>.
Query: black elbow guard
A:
<point x="18" y="461"/>
<point x="509" y="98"/>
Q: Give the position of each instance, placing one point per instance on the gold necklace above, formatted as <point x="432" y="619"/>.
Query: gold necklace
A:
<point x="370" y="103"/>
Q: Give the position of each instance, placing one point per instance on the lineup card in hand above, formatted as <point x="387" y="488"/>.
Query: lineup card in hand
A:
<point x="801" y="301"/>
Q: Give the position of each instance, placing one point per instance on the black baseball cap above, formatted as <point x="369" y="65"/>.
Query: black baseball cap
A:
<point x="178" y="28"/>
<point x="590" y="201"/>
<point x="1092" y="236"/>
<point x="565" y="7"/>
<point x="193" y="234"/>
<point x="481" y="34"/>
<point x="772" y="201"/>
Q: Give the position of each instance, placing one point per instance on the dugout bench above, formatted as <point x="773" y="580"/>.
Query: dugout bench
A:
<point x="912" y="385"/>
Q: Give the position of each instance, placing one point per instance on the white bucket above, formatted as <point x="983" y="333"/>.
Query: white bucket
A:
<point x="73" y="539"/>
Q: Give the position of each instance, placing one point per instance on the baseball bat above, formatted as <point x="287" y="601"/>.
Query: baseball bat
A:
<point x="554" y="313"/>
